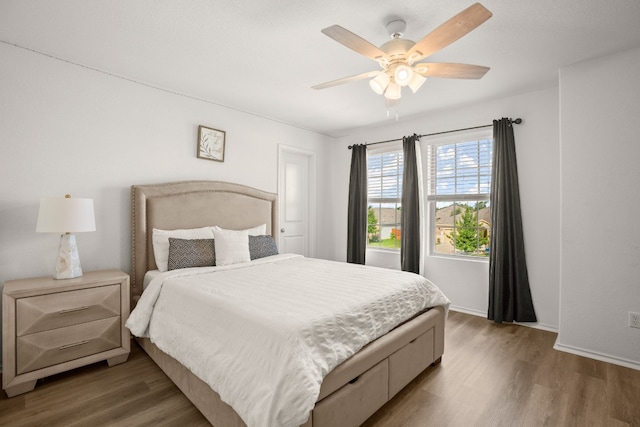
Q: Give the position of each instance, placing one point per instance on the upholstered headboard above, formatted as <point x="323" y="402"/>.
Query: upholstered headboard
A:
<point x="192" y="204"/>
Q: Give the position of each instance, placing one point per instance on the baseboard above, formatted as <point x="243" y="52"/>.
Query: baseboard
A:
<point x="598" y="356"/>
<point x="467" y="311"/>
<point x="541" y="326"/>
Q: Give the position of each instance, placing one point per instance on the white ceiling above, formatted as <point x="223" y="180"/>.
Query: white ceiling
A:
<point x="263" y="57"/>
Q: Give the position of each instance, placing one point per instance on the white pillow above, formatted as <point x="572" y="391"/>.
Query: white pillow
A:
<point x="160" y="239"/>
<point x="232" y="246"/>
<point x="258" y="230"/>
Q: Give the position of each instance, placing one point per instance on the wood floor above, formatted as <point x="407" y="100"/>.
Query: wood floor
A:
<point x="490" y="375"/>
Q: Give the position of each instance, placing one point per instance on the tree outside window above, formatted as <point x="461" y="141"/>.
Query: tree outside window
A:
<point x="468" y="237"/>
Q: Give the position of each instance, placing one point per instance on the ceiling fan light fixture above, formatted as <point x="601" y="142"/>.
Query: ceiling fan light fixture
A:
<point x="416" y="82"/>
<point x="399" y="57"/>
<point x="379" y="83"/>
<point x="402" y="74"/>
<point x="393" y="91"/>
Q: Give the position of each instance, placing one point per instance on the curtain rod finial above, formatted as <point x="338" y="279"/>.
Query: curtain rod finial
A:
<point x="517" y="121"/>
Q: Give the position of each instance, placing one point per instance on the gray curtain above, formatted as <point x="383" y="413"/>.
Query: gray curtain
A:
<point x="509" y="292"/>
<point x="357" y="216"/>
<point x="410" y="216"/>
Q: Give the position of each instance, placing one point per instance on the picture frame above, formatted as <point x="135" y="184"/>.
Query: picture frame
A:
<point x="211" y="143"/>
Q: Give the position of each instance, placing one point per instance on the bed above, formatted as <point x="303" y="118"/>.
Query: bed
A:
<point x="351" y="391"/>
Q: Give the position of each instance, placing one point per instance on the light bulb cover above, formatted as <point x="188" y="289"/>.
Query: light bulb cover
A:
<point x="393" y="91"/>
<point x="380" y="83"/>
<point x="402" y="74"/>
<point x="416" y="82"/>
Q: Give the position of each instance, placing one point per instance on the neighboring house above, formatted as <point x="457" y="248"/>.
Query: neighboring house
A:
<point x="388" y="220"/>
<point x="445" y="221"/>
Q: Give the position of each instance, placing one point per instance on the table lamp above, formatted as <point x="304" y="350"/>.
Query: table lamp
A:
<point x="66" y="216"/>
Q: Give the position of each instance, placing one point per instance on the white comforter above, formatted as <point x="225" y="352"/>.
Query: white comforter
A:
<point x="264" y="334"/>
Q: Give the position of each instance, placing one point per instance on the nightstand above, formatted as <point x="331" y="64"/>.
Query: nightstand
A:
<point x="51" y="326"/>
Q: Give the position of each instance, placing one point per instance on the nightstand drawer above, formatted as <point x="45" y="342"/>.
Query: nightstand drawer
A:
<point x="60" y="345"/>
<point x="58" y="310"/>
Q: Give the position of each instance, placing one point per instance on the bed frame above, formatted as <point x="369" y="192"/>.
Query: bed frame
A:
<point x="350" y="393"/>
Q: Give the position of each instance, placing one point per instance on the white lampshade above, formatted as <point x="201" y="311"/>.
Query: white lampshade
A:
<point x="416" y="82"/>
<point x="66" y="215"/>
<point x="379" y="83"/>
<point x="402" y="74"/>
<point x="393" y="91"/>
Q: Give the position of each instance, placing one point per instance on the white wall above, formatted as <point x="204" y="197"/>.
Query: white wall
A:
<point x="537" y="146"/>
<point x="600" y="280"/>
<point x="68" y="129"/>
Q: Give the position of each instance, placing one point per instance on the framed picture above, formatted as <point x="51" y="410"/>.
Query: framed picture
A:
<point x="211" y="144"/>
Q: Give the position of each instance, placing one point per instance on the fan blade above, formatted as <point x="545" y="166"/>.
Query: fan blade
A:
<point x="347" y="79"/>
<point x="449" y="70"/>
<point x="456" y="27"/>
<point x="353" y="41"/>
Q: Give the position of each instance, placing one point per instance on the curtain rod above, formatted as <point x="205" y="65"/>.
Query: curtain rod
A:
<point x="516" y="121"/>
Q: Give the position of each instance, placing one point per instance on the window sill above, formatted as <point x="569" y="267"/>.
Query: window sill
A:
<point x="383" y="250"/>
<point x="459" y="258"/>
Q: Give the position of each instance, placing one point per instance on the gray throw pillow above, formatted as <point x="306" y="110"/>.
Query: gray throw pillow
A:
<point x="185" y="253"/>
<point x="262" y="246"/>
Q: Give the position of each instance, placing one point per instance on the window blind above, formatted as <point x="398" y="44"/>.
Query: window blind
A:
<point x="385" y="177"/>
<point x="460" y="170"/>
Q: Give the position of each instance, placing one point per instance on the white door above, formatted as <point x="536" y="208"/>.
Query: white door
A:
<point x="296" y="192"/>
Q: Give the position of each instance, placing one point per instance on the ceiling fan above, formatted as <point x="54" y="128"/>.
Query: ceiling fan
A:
<point x="399" y="57"/>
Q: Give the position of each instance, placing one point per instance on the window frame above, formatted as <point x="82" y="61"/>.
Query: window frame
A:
<point x="392" y="147"/>
<point x="431" y="200"/>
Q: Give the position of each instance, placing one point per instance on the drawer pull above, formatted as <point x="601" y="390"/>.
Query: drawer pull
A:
<point x="75" y="344"/>
<point x="71" y="310"/>
<point x="354" y="380"/>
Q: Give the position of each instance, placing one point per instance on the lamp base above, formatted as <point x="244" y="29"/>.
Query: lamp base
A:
<point x="68" y="263"/>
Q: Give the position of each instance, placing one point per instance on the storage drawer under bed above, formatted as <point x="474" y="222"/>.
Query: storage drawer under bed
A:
<point x="408" y="362"/>
<point x="356" y="401"/>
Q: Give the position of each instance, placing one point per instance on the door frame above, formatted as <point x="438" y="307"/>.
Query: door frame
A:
<point x="311" y="181"/>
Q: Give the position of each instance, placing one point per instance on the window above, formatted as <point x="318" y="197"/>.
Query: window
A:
<point x="384" y="199"/>
<point x="459" y="176"/>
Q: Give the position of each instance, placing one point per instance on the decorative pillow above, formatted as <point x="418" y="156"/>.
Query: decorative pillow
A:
<point x="160" y="240"/>
<point x="262" y="246"/>
<point x="232" y="246"/>
<point x="185" y="253"/>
